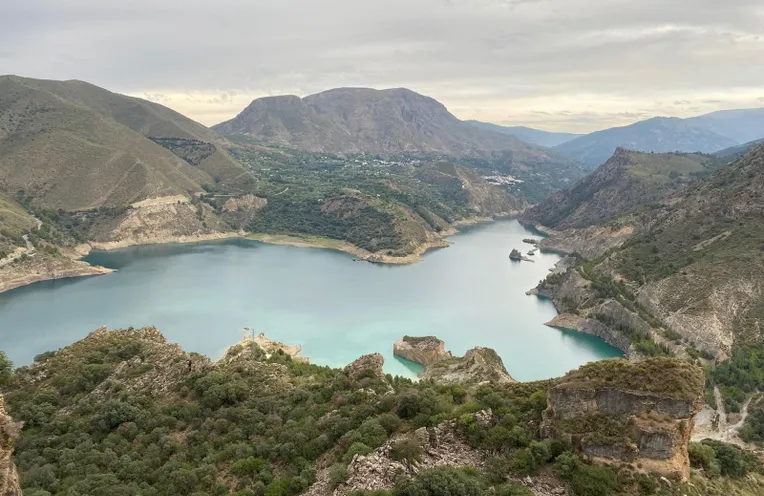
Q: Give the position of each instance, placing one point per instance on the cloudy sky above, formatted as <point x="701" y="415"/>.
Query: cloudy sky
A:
<point x="565" y="65"/>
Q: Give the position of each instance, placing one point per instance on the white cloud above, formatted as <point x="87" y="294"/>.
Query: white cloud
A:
<point x="564" y="64"/>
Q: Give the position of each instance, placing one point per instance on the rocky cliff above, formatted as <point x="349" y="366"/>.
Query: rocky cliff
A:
<point x="424" y="350"/>
<point x="9" y="477"/>
<point x="477" y="365"/>
<point x="636" y="412"/>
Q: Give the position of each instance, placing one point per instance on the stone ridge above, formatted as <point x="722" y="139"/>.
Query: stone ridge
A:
<point x="614" y="410"/>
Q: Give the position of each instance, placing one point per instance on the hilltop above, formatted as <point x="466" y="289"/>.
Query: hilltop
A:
<point x="126" y="412"/>
<point x="627" y="180"/>
<point x="378" y="122"/>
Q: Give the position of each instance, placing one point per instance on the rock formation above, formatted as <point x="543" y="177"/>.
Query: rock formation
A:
<point x="477" y="365"/>
<point x="425" y="350"/>
<point x="635" y="412"/>
<point x="9" y="477"/>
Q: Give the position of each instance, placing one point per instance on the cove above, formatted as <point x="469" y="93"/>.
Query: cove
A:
<point x="203" y="295"/>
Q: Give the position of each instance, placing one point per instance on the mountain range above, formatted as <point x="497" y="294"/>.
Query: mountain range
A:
<point x="529" y="134"/>
<point x="706" y="134"/>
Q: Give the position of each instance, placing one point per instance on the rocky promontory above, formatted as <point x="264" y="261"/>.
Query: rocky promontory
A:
<point x="477" y="365"/>
<point x="9" y="477"/>
<point x="424" y="350"/>
<point x="636" y="412"/>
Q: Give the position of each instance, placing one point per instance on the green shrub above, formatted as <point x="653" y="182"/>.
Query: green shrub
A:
<point x="441" y="482"/>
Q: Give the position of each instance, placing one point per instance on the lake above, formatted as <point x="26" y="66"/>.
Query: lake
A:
<point x="203" y="296"/>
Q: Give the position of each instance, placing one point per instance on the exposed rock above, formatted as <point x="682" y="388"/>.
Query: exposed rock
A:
<point x="477" y="365"/>
<point x="589" y="242"/>
<point x="442" y="446"/>
<point x="240" y="211"/>
<point x="517" y="256"/>
<point x="365" y="366"/>
<point x="593" y="327"/>
<point x="270" y="346"/>
<point x="641" y="412"/>
<point x="425" y="350"/>
<point x="9" y="477"/>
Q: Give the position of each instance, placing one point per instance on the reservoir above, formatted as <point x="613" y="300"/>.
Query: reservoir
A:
<point x="202" y="296"/>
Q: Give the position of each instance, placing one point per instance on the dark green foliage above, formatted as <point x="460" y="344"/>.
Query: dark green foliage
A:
<point x="732" y="461"/>
<point x="407" y="451"/>
<point x="367" y="228"/>
<point x="6" y="370"/>
<point x="586" y="480"/>
<point x="442" y="482"/>
<point x="740" y="376"/>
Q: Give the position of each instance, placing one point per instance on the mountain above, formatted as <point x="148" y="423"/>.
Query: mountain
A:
<point x="738" y="150"/>
<point x="75" y="146"/>
<point x="378" y="122"/>
<point x="628" y="179"/>
<point x="659" y="134"/>
<point x="528" y="134"/>
<point x="688" y="274"/>
<point x="740" y="125"/>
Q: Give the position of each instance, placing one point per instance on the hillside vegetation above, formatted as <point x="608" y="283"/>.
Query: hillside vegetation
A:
<point x="125" y="412"/>
<point x="627" y="180"/>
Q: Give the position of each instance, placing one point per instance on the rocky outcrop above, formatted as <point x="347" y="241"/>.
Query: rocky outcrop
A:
<point x="9" y="477"/>
<point x="442" y="446"/>
<point x="240" y="211"/>
<point x="477" y="365"/>
<point x="636" y="412"/>
<point x="424" y="350"/>
<point x="367" y="366"/>
<point x="573" y="322"/>
<point x="589" y="242"/>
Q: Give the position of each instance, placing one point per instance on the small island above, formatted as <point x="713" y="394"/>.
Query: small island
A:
<point x="517" y="256"/>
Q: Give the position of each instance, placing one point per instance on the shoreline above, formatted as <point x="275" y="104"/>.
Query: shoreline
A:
<point x="84" y="269"/>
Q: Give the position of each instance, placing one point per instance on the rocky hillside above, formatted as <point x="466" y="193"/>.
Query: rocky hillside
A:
<point x="126" y="412"/>
<point x="379" y="122"/>
<point x="627" y="180"/>
<point x="9" y="477"/>
<point x="640" y="413"/>
<point x="74" y="146"/>
<point x="659" y="134"/>
<point x="691" y="272"/>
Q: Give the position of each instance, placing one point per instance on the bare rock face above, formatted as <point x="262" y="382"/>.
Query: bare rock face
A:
<point x="426" y="350"/>
<point x="641" y="412"/>
<point x="9" y="477"/>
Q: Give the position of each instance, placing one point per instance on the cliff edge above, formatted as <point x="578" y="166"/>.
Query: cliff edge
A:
<point x="634" y="412"/>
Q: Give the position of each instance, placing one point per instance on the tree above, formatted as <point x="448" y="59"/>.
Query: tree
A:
<point x="6" y="370"/>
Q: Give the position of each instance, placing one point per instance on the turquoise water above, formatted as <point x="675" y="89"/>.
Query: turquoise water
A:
<point x="203" y="295"/>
